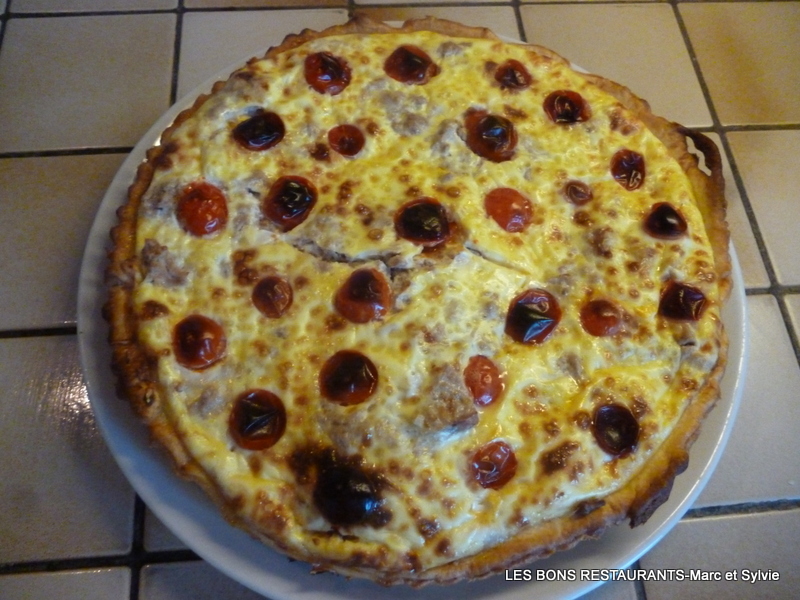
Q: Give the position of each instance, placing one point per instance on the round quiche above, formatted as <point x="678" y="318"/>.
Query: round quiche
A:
<point x="416" y="304"/>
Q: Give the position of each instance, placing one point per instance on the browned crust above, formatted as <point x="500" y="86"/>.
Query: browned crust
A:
<point x="636" y="502"/>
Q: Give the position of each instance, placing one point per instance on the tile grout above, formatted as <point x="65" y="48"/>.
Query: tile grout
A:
<point x="92" y="151"/>
<point x="638" y="584"/>
<point x="176" y="52"/>
<point x="743" y="508"/>
<point x="137" y="546"/>
<point x="87" y="13"/>
<point x="126" y="560"/>
<point x="523" y="35"/>
<point x="790" y="330"/>
<point x="3" y="23"/>
<point x="38" y="332"/>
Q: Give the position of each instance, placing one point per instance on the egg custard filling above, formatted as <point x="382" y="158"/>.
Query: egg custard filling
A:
<point x="417" y="304"/>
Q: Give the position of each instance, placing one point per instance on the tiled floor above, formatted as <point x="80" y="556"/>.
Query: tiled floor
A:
<point x="48" y="204"/>
<point x="90" y="89"/>
<point x="62" y="494"/>
<point x="82" y="80"/>
<point x="638" y="45"/>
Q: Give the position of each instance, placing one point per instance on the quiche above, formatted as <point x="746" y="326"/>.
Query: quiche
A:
<point x="416" y="304"/>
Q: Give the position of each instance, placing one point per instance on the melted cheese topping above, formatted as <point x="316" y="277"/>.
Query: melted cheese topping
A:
<point x="419" y="430"/>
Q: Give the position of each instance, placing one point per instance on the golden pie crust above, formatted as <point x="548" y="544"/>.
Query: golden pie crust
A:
<point x="136" y="364"/>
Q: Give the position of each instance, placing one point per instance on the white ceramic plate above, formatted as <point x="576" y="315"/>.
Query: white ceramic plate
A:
<point x="196" y="521"/>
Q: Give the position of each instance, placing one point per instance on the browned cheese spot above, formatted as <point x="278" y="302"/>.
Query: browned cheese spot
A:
<point x="556" y="459"/>
<point x="152" y="310"/>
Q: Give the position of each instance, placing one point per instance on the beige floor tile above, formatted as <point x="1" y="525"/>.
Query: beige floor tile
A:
<point x="500" y="19"/>
<point x="94" y="584"/>
<point x="424" y="1"/>
<point x="100" y="80"/>
<point x="191" y="580"/>
<point x="768" y="163"/>
<point x="157" y="536"/>
<point x="749" y="54"/>
<point x="637" y="45"/>
<point x="56" y="6"/>
<point x="765" y="542"/>
<point x="48" y="207"/>
<point x="793" y="304"/>
<point x="188" y="581"/>
<point x="262" y="3"/>
<point x="613" y="590"/>
<point x="753" y="271"/>
<point x="584" y="1"/>
<point x="754" y="466"/>
<point x="214" y="41"/>
<point x="61" y="491"/>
